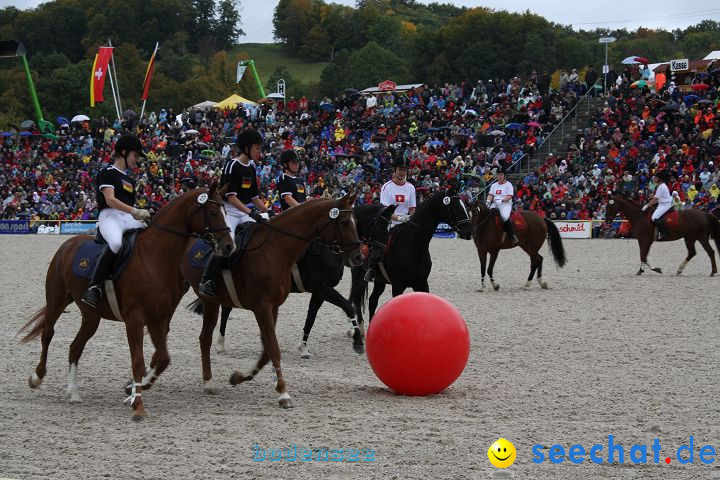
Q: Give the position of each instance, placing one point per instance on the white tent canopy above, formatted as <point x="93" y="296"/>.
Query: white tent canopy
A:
<point x="714" y="55"/>
<point x="206" y="105"/>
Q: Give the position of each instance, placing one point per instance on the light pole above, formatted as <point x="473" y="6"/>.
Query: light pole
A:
<point x="606" y="68"/>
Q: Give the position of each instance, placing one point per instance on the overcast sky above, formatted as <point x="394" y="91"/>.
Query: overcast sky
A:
<point x="668" y="14"/>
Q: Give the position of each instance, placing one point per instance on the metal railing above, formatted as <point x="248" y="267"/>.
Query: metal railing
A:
<point x="560" y="125"/>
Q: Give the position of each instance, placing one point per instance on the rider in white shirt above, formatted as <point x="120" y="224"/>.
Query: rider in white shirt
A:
<point x="664" y="202"/>
<point x="500" y="197"/>
<point x="400" y="192"/>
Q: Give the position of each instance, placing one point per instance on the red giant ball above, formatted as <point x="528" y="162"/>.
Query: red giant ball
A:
<point x="417" y="344"/>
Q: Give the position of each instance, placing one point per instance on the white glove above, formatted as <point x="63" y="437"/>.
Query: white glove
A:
<point x="488" y="203"/>
<point x="644" y="208"/>
<point x="404" y="218"/>
<point x="265" y="215"/>
<point x="140" y="214"/>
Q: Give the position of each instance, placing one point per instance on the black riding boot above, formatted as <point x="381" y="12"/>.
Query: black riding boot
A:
<point x="102" y="267"/>
<point x="207" y="281"/>
<point x="510" y="229"/>
<point x="662" y="230"/>
<point x="375" y="258"/>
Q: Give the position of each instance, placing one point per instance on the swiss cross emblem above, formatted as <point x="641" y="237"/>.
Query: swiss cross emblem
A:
<point x="399" y="198"/>
<point x="99" y="73"/>
<point x="498" y="192"/>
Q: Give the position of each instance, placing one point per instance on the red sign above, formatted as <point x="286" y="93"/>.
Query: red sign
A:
<point x="399" y="198"/>
<point x="387" y="85"/>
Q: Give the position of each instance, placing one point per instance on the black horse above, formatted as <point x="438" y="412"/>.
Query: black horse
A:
<point x="407" y="262"/>
<point x="319" y="271"/>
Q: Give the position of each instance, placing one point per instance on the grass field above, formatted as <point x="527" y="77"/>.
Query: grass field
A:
<point x="269" y="56"/>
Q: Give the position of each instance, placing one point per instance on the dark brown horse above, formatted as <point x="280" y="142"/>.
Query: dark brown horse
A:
<point x="692" y="225"/>
<point x="531" y="231"/>
<point x="147" y="291"/>
<point x="261" y="280"/>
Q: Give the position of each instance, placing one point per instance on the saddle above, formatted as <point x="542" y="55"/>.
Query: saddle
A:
<point x="516" y="218"/>
<point x="86" y="255"/>
<point x="200" y="251"/>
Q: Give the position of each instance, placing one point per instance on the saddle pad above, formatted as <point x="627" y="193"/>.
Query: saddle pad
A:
<point x="516" y="218"/>
<point x="200" y="252"/>
<point x="86" y="256"/>
<point x="671" y="217"/>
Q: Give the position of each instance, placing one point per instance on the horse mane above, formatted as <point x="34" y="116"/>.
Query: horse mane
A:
<point x="167" y="207"/>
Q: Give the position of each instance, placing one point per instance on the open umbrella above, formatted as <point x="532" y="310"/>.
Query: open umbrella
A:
<point x="328" y="107"/>
<point x="26" y="134"/>
<point x="534" y="124"/>
<point x="80" y="118"/>
<point x="639" y="84"/>
<point x="514" y="126"/>
<point x="634" y="60"/>
<point x="690" y="99"/>
<point x="191" y="132"/>
<point x="63" y="121"/>
<point x="7" y="134"/>
<point x="129" y="113"/>
<point x="498" y="132"/>
<point x="27" y="124"/>
<point x="351" y="91"/>
<point x="435" y="143"/>
<point x="470" y="111"/>
<point x="705" y="101"/>
<point x="700" y="86"/>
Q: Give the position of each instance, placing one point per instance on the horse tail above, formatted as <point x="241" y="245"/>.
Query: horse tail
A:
<point x="37" y="321"/>
<point x="715" y="230"/>
<point x="196" y="307"/>
<point x="555" y="243"/>
<point x="358" y="289"/>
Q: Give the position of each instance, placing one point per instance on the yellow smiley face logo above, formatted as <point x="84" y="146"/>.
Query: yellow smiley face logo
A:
<point x="502" y="453"/>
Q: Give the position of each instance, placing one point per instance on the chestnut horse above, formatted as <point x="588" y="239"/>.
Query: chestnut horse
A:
<point x="148" y="290"/>
<point x="489" y="238"/>
<point x="693" y="225"/>
<point x="261" y="279"/>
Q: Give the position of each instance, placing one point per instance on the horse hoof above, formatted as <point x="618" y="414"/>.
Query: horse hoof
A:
<point x="237" y="378"/>
<point x="544" y="286"/>
<point x="496" y="287"/>
<point x="210" y="390"/>
<point x="34" y="381"/>
<point x="75" y="398"/>
<point x="286" y="403"/>
<point x="526" y="285"/>
<point x="139" y="418"/>
<point x="657" y="270"/>
<point x="712" y="274"/>
<point x="304" y="352"/>
<point x="359" y="348"/>
<point x="221" y="344"/>
<point x="640" y="272"/>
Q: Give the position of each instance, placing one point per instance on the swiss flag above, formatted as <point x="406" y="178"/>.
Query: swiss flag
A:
<point x="99" y="71"/>
<point x="399" y="198"/>
<point x="498" y="192"/>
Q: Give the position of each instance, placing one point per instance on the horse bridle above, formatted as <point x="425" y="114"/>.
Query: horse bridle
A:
<point x="455" y="225"/>
<point x="208" y="235"/>
<point x="371" y="240"/>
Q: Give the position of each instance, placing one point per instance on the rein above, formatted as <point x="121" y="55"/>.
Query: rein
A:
<point x="335" y="247"/>
<point x="208" y="235"/>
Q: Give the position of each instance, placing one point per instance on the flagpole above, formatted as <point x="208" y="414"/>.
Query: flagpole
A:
<point x="112" y="87"/>
<point x="142" y="110"/>
<point x="114" y="72"/>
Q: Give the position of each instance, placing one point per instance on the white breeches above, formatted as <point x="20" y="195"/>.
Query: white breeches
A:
<point x="660" y="211"/>
<point x="234" y="217"/>
<point x="113" y="223"/>
<point x="505" y="209"/>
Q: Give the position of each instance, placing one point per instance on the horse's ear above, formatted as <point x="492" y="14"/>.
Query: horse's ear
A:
<point x="348" y="200"/>
<point x="387" y="213"/>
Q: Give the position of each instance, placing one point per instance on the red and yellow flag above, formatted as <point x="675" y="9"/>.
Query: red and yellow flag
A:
<point x="99" y="71"/>
<point x="148" y="75"/>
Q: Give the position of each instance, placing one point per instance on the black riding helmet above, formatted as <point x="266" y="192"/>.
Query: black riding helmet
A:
<point x="248" y="138"/>
<point x="288" y="156"/>
<point x="129" y="143"/>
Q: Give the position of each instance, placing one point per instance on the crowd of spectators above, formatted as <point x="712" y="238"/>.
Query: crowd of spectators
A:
<point x="636" y="132"/>
<point x="453" y="132"/>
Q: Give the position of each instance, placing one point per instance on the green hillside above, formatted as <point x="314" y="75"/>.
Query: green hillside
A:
<point x="269" y="56"/>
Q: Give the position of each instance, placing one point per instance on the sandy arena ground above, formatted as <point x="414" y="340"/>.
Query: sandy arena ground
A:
<point x="603" y="352"/>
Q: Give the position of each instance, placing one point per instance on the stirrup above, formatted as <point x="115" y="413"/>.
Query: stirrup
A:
<point x="207" y="288"/>
<point x="92" y="296"/>
<point x="369" y="275"/>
